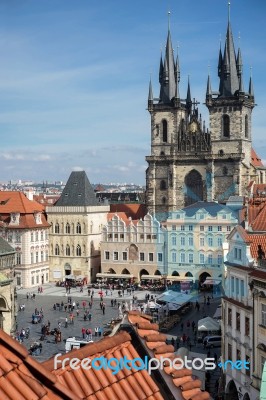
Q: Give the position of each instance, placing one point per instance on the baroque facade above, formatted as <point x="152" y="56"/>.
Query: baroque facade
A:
<point x="76" y="222"/>
<point x="189" y="162"/>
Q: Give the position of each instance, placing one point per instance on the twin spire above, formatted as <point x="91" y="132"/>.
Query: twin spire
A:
<point x="230" y="72"/>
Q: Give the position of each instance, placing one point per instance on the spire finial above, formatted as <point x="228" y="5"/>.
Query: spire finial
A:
<point x="169" y="14"/>
<point x="239" y="39"/>
<point x="250" y="72"/>
<point x="229" y="11"/>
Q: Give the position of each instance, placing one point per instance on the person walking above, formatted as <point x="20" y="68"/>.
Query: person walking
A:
<point x="96" y="331"/>
<point x="103" y="308"/>
<point x="66" y="322"/>
<point x="83" y="331"/>
<point x="99" y="331"/>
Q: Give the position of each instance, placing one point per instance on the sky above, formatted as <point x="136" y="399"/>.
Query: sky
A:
<point x="74" y="78"/>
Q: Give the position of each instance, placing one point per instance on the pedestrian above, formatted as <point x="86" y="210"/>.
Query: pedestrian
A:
<point x="96" y="331"/>
<point x="77" y="312"/>
<point x="85" y="317"/>
<point x="177" y="343"/>
<point x="89" y="316"/>
<point x="103" y="308"/>
<point x="188" y="324"/>
<point x="66" y="322"/>
<point x="99" y="331"/>
<point x="83" y="331"/>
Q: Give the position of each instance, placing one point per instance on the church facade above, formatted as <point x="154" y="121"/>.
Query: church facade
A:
<point x="188" y="161"/>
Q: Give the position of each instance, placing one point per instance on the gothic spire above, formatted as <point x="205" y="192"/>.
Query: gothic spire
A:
<point x="188" y="99"/>
<point x="209" y="89"/>
<point x="168" y="81"/>
<point x="150" y="96"/>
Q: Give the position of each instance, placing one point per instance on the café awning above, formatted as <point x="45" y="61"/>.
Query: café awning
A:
<point x="180" y="279"/>
<point x="114" y="276"/>
<point x="212" y="282"/>
<point x="151" y="277"/>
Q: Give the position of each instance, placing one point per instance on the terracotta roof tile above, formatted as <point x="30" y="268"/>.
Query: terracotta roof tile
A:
<point x="255" y="241"/>
<point x="255" y="159"/>
<point x="157" y="337"/>
<point x="165" y="348"/>
<point x="148" y="326"/>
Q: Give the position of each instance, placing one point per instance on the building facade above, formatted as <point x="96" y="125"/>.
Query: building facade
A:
<point x="23" y="224"/>
<point x="189" y="162"/>
<point x="134" y="248"/>
<point x="76" y="222"/>
<point x="8" y="306"/>
<point x="244" y="311"/>
<point x="195" y="238"/>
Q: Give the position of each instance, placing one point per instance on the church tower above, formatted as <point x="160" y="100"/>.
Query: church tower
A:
<point x="189" y="163"/>
<point x="179" y="166"/>
<point x="230" y="112"/>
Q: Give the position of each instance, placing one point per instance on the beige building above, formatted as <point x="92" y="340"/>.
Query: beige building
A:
<point x="7" y="287"/>
<point x="24" y="226"/>
<point x="133" y="249"/>
<point x="76" y="221"/>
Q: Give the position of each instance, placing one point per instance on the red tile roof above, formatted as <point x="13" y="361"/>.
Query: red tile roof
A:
<point x="135" y="211"/>
<point x="102" y="384"/>
<point x="188" y="385"/>
<point x="255" y="240"/>
<point x="12" y="202"/>
<point x="23" y="378"/>
<point x="255" y="159"/>
<point x="259" y="223"/>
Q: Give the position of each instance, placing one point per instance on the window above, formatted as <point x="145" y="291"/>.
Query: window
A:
<point x="237" y="322"/>
<point x="164" y="125"/>
<point x="67" y="228"/>
<point x="201" y="228"/>
<point x="182" y="240"/>
<point x="18" y="258"/>
<point x="246" y="126"/>
<point x="149" y="237"/>
<point x="237" y="286"/>
<point x="229" y="317"/>
<point x="239" y="254"/>
<point x="141" y="257"/>
<point x="220" y="259"/>
<point x="41" y="235"/>
<point x="226" y="126"/>
<point x="190" y="241"/>
<point x="242" y="288"/>
<point x="163" y="185"/>
<point x="201" y="258"/>
<point x="78" y="228"/>
<point x="31" y="237"/>
<point x="219" y="228"/>
<point x="182" y="257"/>
<point x="36" y="236"/>
<point x="174" y="257"/>
<point x="78" y="251"/>
<point x="201" y="216"/>
<point x="182" y="227"/>
<point x="173" y="240"/>
<point x="56" y="228"/>
<point x="238" y="354"/>
<point x="219" y="241"/>
<point x="18" y="238"/>
<point x="232" y="284"/>
<point x="41" y="256"/>
<point x="210" y="241"/>
<point x="210" y="228"/>
<point x="56" y="250"/>
<point x="173" y="227"/>
<point x="247" y="331"/>
<point x="228" y="228"/>
<point x="209" y="258"/>
<point x="190" y="258"/>
<point x="190" y="227"/>
<point x="263" y="314"/>
<point x="124" y="255"/>
<point x="115" y="256"/>
<point x="150" y="257"/>
<point x="121" y="236"/>
<point x="32" y="280"/>
<point x="229" y="350"/>
<point x="107" y="255"/>
<point x="224" y="216"/>
<point x="202" y="241"/>
<point x="160" y="257"/>
<point x="67" y="250"/>
<point x="154" y="236"/>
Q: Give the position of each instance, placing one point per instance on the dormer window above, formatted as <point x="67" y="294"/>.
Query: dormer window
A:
<point x="38" y="218"/>
<point x="14" y="218"/>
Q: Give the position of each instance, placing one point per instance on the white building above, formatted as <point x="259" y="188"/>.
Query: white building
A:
<point x="23" y="224"/>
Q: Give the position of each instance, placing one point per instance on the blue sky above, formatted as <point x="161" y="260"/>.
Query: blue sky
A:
<point x="74" y="78"/>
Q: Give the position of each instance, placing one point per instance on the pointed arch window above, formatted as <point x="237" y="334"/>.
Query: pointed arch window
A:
<point x="56" y="250"/>
<point x="78" y="251"/>
<point x="78" y="228"/>
<point x="165" y="130"/>
<point x="67" y="228"/>
<point x="163" y="185"/>
<point x="246" y="127"/>
<point x="56" y="228"/>
<point x="67" y="250"/>
<point x="226" y="126"/>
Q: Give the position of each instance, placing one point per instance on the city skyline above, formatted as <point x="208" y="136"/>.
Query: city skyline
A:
<point x="74" y="80"/>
